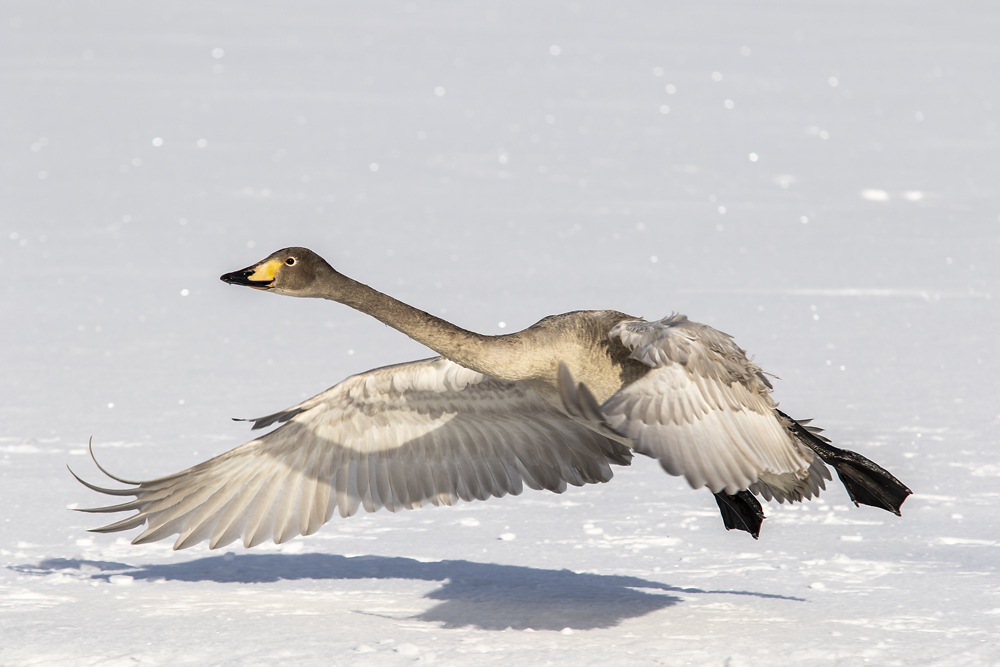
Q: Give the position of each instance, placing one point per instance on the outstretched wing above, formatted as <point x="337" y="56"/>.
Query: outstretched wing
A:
<point x="705" y="412"/>
<point x="398" y="437"/>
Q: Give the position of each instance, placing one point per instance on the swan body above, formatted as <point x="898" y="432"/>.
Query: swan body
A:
<point x="553" y="405"/>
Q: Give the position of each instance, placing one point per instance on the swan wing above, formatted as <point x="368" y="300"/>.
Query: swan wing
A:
<point x="705" y="412"/>
<point x="426" y="432"/>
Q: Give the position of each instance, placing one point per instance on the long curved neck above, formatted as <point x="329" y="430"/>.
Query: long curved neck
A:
<point x="493" y="355"/>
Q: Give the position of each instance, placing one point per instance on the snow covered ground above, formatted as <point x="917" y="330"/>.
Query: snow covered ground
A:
<point x="818" y="179"/>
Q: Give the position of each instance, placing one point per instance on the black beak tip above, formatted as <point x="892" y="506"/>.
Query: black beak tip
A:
<point x="242" y="278"/>
<point x="237" y="277"/>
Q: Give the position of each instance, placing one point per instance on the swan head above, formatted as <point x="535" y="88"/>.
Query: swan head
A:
<point x="290" y="271"/>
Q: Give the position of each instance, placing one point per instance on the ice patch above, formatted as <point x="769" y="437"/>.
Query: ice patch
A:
<point x="926" y="295"/>
<point x="875" y="195"/>
<point x="22" y="599"/>
<point x="119" y="444"/>
<point x="20" y="449"/>
<point x="965" y="542"/>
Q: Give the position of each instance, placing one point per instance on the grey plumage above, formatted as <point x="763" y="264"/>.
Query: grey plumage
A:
<point x="494" y="414"/>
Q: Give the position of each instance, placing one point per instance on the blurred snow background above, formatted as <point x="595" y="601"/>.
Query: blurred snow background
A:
<point x="818" y="179"/>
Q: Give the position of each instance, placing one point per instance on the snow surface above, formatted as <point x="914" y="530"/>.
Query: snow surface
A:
<point x="818" y="179"/>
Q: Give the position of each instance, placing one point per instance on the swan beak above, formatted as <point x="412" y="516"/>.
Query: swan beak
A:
<point x="260" y="276"/>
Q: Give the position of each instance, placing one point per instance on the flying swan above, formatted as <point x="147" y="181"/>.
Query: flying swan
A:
<point x="555" y="404"/>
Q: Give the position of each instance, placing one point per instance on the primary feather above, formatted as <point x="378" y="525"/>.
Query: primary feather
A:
<point x="397" y="438"/>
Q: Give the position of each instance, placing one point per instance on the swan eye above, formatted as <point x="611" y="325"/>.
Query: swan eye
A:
<point x="290" y="261"/>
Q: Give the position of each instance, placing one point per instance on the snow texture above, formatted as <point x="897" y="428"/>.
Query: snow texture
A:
<point x="818" y="179"/>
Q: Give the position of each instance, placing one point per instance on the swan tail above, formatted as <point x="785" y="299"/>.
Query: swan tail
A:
<point x="867" y="483"/>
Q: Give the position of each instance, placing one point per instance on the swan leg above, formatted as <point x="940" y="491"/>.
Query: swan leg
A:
<point x="740" y="511"/>
<point x="866" y="482"/>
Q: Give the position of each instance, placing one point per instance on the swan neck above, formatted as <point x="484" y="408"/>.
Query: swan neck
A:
<point x="478" y="352"/>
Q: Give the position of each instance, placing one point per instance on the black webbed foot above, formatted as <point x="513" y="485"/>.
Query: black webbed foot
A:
<point x="740" y="512"/>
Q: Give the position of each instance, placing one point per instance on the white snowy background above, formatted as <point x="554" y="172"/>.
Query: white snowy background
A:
<point x="819" y="179"/>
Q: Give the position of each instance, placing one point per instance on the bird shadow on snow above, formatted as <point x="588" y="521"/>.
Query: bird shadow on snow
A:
<point x="487" y="596"/>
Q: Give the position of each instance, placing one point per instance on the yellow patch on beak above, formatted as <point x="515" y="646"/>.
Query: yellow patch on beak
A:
<point x="265" y="272"/>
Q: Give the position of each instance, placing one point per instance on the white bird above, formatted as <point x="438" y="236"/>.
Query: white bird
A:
<point x="493" y="414"/>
